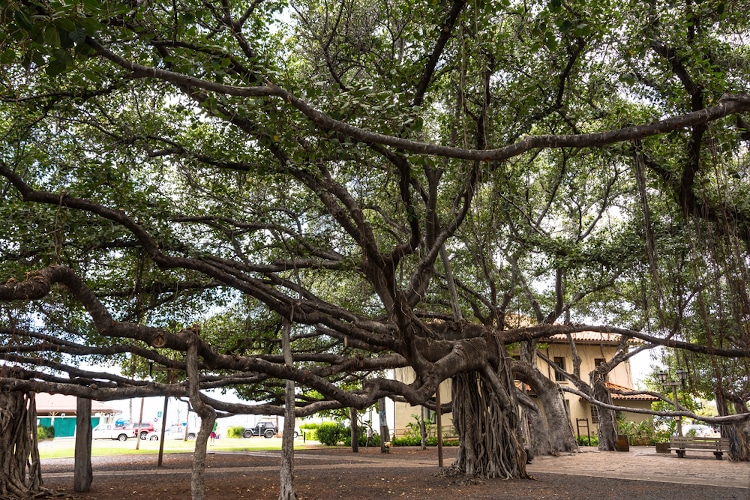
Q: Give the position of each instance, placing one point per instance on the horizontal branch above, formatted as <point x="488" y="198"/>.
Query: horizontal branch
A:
<point x="727" y="105"/>
<point x="541" y="331"/>
<point x="729" y="419"/>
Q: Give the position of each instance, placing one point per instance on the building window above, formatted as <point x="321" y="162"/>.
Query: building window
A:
<point x="431" y="416"/>
<point x="600" y="361"/>
<point x="594" y="414"/>
<point x="559" y="377"/>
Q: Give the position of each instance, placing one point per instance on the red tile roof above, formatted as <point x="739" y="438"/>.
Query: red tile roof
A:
<point x="592" y="338"/>
<point x="631" y="397"/>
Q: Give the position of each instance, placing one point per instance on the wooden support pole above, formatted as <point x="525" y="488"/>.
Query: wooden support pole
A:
<point x="82" y="471"/>
<point x="138" y="430"/>
<point x="384" y="434"/>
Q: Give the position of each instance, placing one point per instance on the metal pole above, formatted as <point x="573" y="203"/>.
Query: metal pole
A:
<point x="439" y="422"/>
<point x="679" y="419"/>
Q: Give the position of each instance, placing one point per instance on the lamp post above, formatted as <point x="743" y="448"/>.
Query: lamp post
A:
<point x="666" y="381"/>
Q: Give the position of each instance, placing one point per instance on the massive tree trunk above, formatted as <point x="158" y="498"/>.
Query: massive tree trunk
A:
<point x="20" y="470"/>
<point x="532" y="429"/>
<point x="551" y="432"/>
<point x="739" y="447"/>
<point x="607" y="419"/>
<point x="485" y="415"/>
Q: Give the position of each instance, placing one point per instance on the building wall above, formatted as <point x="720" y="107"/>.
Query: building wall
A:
<point x="403" y="412"/>
<point x="621" y="375"/>
<point x="577" y="407"/>
<point x="64" y="426"/>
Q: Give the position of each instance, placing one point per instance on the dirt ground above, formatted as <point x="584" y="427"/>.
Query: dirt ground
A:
<point x="333" y="473"/>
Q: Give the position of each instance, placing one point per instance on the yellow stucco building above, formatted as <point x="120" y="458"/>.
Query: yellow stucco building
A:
<point x="593" y="348"/>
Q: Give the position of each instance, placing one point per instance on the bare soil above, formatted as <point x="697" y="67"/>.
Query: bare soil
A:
<point x="333" y="473"/>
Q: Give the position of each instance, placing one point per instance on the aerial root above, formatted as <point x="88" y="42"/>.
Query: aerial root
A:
<point x="40" y="492"/>
<point x="458" y="476"/>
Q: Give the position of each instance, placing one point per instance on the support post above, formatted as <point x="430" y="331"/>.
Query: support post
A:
<point x="82" y="471"/>
<point x="384" y="434"/>
<point x="439" y="423"/>
<point x="354" y="429"/>
<point x="138" y="431"/>
<point x="164" y="422"/>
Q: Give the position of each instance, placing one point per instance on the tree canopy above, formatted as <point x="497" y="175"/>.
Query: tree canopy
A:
<point x="400" y="181"/>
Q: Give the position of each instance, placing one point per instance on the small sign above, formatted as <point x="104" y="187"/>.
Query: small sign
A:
<point x="156" y="419"/>
<point x="158" y="414"/>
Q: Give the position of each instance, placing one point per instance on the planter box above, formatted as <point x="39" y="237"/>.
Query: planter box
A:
<point x="662" y="448"/>
<point x="622" y="443"/>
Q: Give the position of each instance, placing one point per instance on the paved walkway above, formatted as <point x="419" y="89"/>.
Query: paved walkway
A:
<point x="641" y="463"/>
<point x="644" y="464"/>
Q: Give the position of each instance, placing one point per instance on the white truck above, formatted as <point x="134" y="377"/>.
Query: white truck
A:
<point x="110" y="431"/>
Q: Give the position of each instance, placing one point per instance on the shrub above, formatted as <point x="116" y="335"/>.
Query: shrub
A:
<point x="347" y="437"/>
<point x="584" y="441"/>
<point x="417" y="441"/>
<point x="310" y="430"/>
<point x="235" y="432"/>
<point x="43" y="432"/>
<point x="413" y="429"/>
<point x="643" y="433"/>
<point x="330" y="433"/>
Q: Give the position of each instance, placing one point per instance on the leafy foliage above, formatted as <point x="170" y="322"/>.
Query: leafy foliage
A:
<point x="331" y="433"/>
<point x="644" y="433"/>
<point x="400" y="182"/>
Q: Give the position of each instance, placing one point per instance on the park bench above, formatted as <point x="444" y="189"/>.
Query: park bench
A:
<point x="717" y="446"/>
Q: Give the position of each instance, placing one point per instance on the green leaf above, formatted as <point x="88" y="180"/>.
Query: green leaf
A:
<point x="52" y="36"/>
<point x="56" y="67"/>
<point x="23" y="20"/>
<point x="59" y="63"/>
<point x="65" y="24"/>
<point x="78" y="35"/>
<point x="8" y="56"/>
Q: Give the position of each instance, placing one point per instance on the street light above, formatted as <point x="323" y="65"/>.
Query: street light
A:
<point x="666" y="381"/>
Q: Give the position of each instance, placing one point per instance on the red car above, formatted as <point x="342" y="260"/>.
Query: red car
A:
<point x="145" y="428"/>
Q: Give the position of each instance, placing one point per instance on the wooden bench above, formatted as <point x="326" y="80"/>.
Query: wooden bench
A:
<point x="717" y="446"/>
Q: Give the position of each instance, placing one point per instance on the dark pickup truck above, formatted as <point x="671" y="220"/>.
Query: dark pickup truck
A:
<point x="266" y="429"/>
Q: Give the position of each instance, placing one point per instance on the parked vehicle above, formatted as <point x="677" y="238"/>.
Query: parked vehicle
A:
<point x="262" y="428"/>
<point x="110" y="431"/>
<point x="699" y="430"/>
<point x="175" y="432"/>
<point x="145" y="427"/>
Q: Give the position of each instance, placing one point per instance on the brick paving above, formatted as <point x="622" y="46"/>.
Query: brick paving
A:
<point x="642" y="463"/>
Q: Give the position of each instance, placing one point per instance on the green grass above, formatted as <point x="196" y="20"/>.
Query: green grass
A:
<point x="65" y="447"/>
